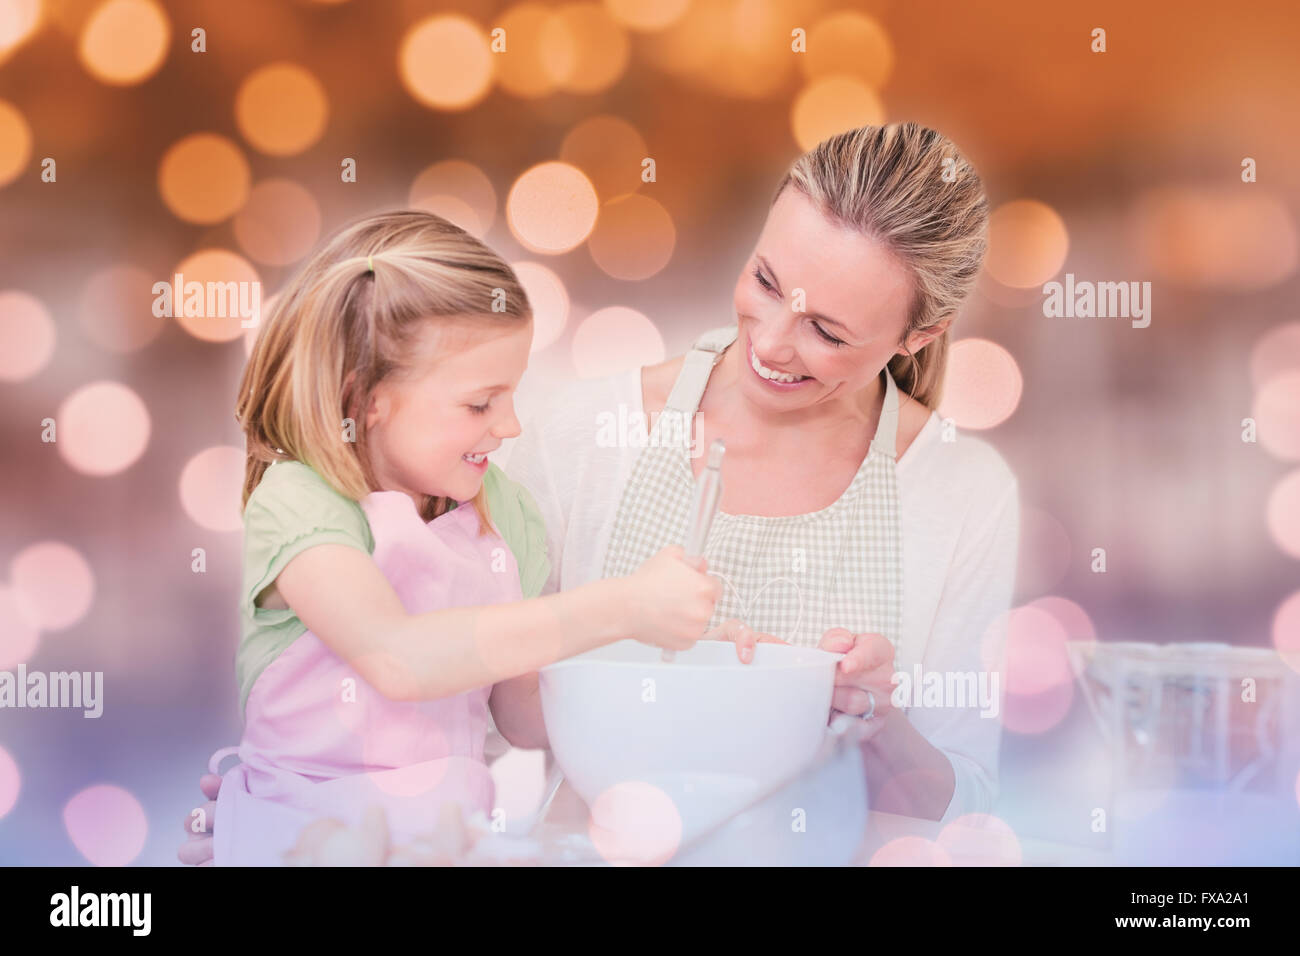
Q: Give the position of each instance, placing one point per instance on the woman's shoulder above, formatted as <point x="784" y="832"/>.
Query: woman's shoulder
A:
<point x="941" y="456"/>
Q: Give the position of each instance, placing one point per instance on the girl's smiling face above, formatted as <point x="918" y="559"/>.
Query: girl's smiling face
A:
<point x="821" y="309"/>
<point x="430" y="426"/>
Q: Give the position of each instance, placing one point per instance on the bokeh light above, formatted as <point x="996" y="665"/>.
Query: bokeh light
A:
<point x="582" y="48"/>
<point x="609" y="150"/>
<point x="1284" y="514"/>
<point x="18" y="21"/>
<point x="634" y="237"/>
<point x="1276" y="411"/>
<point x="15" y="143"/>
<point x="19" y="635"/>
<point x="204" y="178"/>
<point x="281" y="109"/>
<point x="1277" y="351"/>
<point x="116" y="309"/>
<point x="1215" y="236"/>
<point x="549" y="299"/>
<point x="849" y="43"/>
<point x="445" y="62"/>
<point x="1028" y="243"/>
<point x="519" y="69"/>
<point x="102" y="428"/>
<point x="1036" y="657"/>
<point x="1044" y="553"/>
<point x="910" y="851"/>
<point x="646" y="15"/>
<point x="280" y="222"/>
<point x="737" y="48"/>
<point x="613" y="340"/>
<point x="982" y="839"/>
<point x="459" y="192"/>
<point x="211" y="485"/>
<point x="1286" y="631"/>
<point x="1074" y="620"/>
<point x="833" y="104"/>
<point x="218" y="267"/>
<point x="635" y="824"/>
<point x="125" y="41"/>
<point x="552" y="208"/>
<point x="106" y="824"/>
<point x="1031" y="714"/>
<point x="982" y="386"/>
<point x="53" y="584"/>
<point x="27" y="335"/>
<point x="11" y="782"/>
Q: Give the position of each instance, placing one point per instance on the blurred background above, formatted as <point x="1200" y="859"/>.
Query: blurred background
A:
<point x="223" y="138"/>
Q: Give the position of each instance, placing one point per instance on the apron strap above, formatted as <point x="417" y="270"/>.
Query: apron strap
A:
<point x="696" y="369"/>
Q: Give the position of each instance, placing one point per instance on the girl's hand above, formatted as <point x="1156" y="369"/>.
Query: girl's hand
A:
<point x="743" y="636"/>
<point x="867" y="666"/>
<point x="669" y="601"/>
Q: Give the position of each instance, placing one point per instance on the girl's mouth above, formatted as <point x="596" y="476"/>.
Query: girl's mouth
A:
<point x="479" y="462"/>
<point x="775" y="378"/>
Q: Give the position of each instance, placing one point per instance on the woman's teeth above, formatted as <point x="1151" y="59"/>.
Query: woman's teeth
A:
<point x="772" y="374"/>
<point x="474" y="459"/>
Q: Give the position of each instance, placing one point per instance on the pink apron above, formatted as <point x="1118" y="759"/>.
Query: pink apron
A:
<point x="321" y="742"/>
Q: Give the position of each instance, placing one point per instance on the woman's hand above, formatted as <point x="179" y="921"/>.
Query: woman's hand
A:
<point x="197" y="850"/>
<point x="670" y="600"/>
<point x="743" y="636"/>
<point x="867" y="667"/>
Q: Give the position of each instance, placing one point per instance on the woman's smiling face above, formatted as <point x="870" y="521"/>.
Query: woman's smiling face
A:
<point x="819" y="303"/>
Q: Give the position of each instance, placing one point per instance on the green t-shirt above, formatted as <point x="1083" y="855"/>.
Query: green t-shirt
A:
<point x="293" y="508"/>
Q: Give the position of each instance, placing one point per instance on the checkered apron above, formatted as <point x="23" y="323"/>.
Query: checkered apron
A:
<point x="794" y="576"/>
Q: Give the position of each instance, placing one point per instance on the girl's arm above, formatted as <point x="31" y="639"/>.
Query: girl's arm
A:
<point x="340" y="594"/>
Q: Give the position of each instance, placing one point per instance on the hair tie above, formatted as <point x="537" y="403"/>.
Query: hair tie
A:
<point x="370" y="263"/>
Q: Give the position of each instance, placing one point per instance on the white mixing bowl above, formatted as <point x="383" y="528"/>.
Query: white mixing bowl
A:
<point x="710" y="732"/>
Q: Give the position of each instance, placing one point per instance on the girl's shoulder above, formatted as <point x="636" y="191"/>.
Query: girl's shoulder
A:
<point x="519" y="522"/>
<point x="293" y="498"/>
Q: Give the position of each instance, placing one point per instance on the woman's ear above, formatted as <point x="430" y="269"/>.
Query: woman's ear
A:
<point x="923" y="337"/>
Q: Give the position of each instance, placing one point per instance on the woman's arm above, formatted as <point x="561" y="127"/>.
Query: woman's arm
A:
<point x="340" y="594"/>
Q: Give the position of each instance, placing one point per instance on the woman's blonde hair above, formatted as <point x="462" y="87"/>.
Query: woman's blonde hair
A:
<point x="347" y="321"/>
<point x="912" y="189"/>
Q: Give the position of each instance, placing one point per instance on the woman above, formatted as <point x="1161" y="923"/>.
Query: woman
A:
<point x="847" y="520"/>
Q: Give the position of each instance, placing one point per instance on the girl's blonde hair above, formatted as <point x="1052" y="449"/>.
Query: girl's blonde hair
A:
<point x="348" y="320"/>
<point x="912" y="189"/>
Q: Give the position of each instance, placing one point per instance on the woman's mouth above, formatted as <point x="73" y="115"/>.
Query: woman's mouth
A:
<point x="775" y="378"/>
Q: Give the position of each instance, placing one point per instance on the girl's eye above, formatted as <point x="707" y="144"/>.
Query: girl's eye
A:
<point x="478" y="409"/>
<point x="762" y="281"/>
<point x="827" y="336"/>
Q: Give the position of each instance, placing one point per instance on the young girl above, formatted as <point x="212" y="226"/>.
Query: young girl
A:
<point x="384" y="558"/>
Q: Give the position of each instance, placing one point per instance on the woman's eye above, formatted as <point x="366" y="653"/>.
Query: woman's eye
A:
<point x="478" y="409"/>
<point x="826" y="335"/>
<point x="762" y="281"/>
